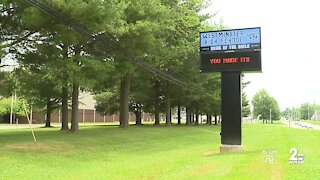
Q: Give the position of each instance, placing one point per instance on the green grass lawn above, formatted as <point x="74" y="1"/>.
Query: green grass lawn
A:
<point x="108" y="152"/>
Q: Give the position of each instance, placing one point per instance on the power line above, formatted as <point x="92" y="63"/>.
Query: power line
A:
<point x="102" y="38"/>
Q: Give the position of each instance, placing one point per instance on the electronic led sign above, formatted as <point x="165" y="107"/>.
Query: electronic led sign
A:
<point x="230" y="50"/>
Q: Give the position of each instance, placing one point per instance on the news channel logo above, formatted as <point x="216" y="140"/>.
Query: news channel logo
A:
<point x="296" y="158"/>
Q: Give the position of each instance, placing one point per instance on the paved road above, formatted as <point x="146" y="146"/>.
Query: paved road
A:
<point x="303" y="125"/>
<point x="19" y="126"/>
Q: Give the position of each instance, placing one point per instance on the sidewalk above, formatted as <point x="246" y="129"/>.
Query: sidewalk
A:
<point x="301" y="125"/>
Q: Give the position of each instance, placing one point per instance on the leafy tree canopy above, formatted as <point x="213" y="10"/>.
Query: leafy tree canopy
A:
<point x="263" y="103"/>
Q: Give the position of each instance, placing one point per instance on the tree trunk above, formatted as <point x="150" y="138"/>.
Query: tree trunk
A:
<point x="197" y="117"/>
<point x="179" y="115"/>
<point x="192" y="117"/>
<point x="215" y="119"/>
<point x="157" y="103"/>
<point x="124" y="102"/>
<point x="156" y="117"/>
<point x="168" y="106"/>
<point x="64" y="108"/>
<point x="49" y="109"/>
<point x="75" y="106"/>
<point x="138" y="117"/>
<point x="188" y="117"/>
<point x="209" y="119"/>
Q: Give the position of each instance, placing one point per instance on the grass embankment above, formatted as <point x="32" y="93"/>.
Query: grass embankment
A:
<point x="107" y="152"/>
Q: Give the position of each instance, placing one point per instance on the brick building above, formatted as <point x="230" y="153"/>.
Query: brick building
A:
<point x="87" y="113"/>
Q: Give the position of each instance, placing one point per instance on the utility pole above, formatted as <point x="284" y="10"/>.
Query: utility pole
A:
<point x="290" y="116"/>
<point x="11" y="110"/>
<point x="314" y="110"/>
<point x="31" y="113"/>
<point x="13" y="100"/>
<point x="270" y="116"/>
<point x="308" y="112"/>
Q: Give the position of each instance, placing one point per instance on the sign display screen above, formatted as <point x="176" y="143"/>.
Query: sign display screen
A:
<point x="230" y="50"/>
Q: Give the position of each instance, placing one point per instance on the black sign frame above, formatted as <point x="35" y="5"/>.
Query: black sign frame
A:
<point x="246" y="59"/>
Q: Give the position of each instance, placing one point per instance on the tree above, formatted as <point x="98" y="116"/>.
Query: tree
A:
<point x="162" y="33"/>
<point x="211" y="101"/>
<point x="142" y="21"/>
<point x="20" y="107"/>
<point x="307" y="111"/>
<point x="265" y="106"/>
<point x="245" y="105"/>
<point x="245" y="102"/>
<point x="178" y="56"/>
<point x="141" y="95"/>
<point x="39" y="87"/>
<point x="72" y="57"/>
<point x="11" y="97"/>
<point x="107" y="103"/>
<point x="304" y="111"/>
<point x="286" y="113"/>
<point x="28" y="29"/>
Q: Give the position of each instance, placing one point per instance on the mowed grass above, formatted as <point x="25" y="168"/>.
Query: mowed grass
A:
<point x="148" y="152"/>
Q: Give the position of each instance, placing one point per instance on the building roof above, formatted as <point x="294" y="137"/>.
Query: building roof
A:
<point x="86" y="101"/>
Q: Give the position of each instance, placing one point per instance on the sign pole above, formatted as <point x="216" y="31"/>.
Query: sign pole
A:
<point x="231" y="136"/>
<point x="231" y="52"/>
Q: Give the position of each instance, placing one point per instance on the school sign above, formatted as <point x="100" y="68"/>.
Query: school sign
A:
<point x="230" y="50"/>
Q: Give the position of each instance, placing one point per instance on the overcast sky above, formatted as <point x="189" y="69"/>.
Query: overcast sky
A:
<point x="290" y="40"/>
